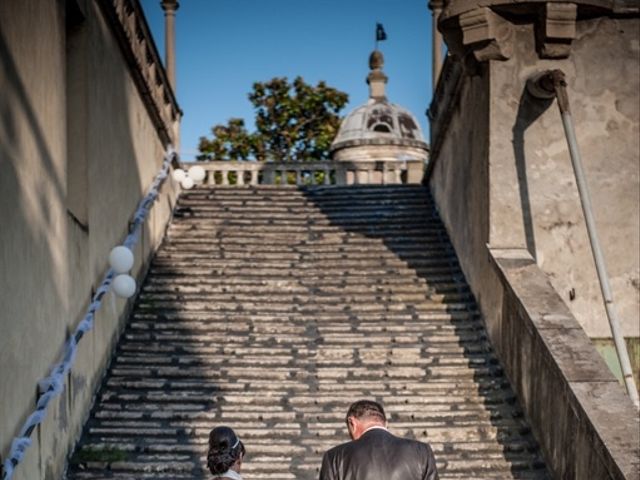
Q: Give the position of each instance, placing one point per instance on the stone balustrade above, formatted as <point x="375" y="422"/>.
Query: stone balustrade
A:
<point x="312" y="173"/>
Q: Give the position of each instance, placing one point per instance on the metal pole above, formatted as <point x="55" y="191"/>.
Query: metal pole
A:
<point x="554" y="81"/>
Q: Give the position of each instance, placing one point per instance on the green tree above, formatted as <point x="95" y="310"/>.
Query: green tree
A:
<point x="229" y="142"/>
<point x="294" y="122"/>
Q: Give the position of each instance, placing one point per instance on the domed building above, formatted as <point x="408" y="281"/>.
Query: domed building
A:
<point x="380" y="131"/>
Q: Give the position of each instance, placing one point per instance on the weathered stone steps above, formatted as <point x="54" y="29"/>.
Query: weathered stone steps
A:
<point x="270" y="309"/>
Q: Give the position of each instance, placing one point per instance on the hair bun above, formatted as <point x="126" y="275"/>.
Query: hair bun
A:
<point x="224" y="450"/>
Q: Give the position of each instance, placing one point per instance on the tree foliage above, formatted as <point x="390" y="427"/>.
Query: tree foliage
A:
<point x="294" y="122"/>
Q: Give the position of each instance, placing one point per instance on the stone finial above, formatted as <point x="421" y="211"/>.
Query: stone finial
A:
<point x="376" y="60"/>
<point x="376" y="78"/>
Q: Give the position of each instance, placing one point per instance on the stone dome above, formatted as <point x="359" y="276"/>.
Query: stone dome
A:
<point x="379" y="128"/>
<point x="379" y="122"/>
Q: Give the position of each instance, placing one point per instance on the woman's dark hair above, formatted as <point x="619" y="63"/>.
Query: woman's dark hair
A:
<point x="366" y="409"/>
<point x="224" y="449"/>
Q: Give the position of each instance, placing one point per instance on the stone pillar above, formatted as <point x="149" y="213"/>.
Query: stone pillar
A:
<point x="170" y="7"/>
<point x="436" y="42"/>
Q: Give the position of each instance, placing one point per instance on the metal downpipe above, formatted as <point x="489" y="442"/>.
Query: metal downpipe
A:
<point x="553" y="84"/>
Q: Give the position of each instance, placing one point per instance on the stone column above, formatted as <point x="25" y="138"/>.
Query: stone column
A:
<point x="436" y="41"/>
<point x="170" y="7"/>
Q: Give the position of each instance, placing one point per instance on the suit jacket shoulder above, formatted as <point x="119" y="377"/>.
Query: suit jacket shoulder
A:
<point x="379" y="455"/>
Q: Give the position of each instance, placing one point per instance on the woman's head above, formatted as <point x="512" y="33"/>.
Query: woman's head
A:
<point x="225" y="449"/>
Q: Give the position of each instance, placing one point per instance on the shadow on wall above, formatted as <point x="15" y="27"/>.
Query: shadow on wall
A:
<point x="49" y="264"/>
<point x="529" y="110"/>
<point x="412" y="231"/>
<point x="23" y="201"/>
<point x="32" y="278"/>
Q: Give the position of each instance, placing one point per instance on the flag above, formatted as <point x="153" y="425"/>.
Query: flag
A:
<point x="380" y="33"/>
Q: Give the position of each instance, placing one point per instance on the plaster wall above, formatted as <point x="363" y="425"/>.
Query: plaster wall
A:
<point x="533" y="199"/>
<point x="502" y="180"/>
<point x="50" y="260"/>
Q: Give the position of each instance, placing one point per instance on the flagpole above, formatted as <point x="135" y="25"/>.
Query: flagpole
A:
<point x="381" y="35"/>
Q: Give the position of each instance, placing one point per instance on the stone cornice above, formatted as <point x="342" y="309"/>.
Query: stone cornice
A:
<point x="127" y="21"/>
<point x="454" y="8"/>
<point x="481" y="30"/>
<point x="401" y="142"/>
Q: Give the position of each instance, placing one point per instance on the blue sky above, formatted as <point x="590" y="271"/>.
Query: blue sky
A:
<point x="223" y="46"/>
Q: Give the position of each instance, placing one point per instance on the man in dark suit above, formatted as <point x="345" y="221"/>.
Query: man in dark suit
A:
<point x="374" y="453"/>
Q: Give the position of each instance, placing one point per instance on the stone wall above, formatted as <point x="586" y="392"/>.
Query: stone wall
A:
<point x="583" y="419"/>
<point x="502" y="179"/>
<point x="78" y="150"/>
<point x="532" y="196"/>
<point x="534" y="200"/>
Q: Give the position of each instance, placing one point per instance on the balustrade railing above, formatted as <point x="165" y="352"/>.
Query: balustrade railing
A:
<point x="312" y="173"/>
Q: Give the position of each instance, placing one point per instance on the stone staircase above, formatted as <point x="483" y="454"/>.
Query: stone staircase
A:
<point x="270" y="309"/>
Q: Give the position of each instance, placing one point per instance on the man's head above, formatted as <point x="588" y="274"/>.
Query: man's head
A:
<point x="363" y="415"/>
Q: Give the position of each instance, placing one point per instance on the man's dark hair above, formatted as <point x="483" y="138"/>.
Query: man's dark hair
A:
<point x="366" y="409"/>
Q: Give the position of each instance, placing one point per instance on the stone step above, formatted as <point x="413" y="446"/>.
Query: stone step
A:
<point x="275" y="233"/>
<point x="319" y="296"/>
<point x="308" y="213"/>
<point x="374" y="256"/>
<point x="313" y="271"/>
<point x="449" y="290"/>
<point x="313" y="446"/>
<point x="311" y="218"/>
<point x="400" y="247"/>
<point x="270" y="309"/>
<point x="344" y="265"/>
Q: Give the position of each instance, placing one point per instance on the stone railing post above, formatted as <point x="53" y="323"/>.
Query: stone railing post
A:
<point x="377" y="172"/>
<point x="414" y="171"/>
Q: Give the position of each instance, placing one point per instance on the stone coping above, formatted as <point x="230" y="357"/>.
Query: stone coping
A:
<point x="586" y="424"/>
<point x="442" y="106"/>
<point x="344" y="172"/>
<point x="128" y="23"/>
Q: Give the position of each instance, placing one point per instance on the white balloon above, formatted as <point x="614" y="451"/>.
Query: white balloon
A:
<point x="121" y="259"/>
<point x="187" y="183"/>
<point x="179" y="174"/>
<point x="124" y="286"/>
<point x="197" y="173"/>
